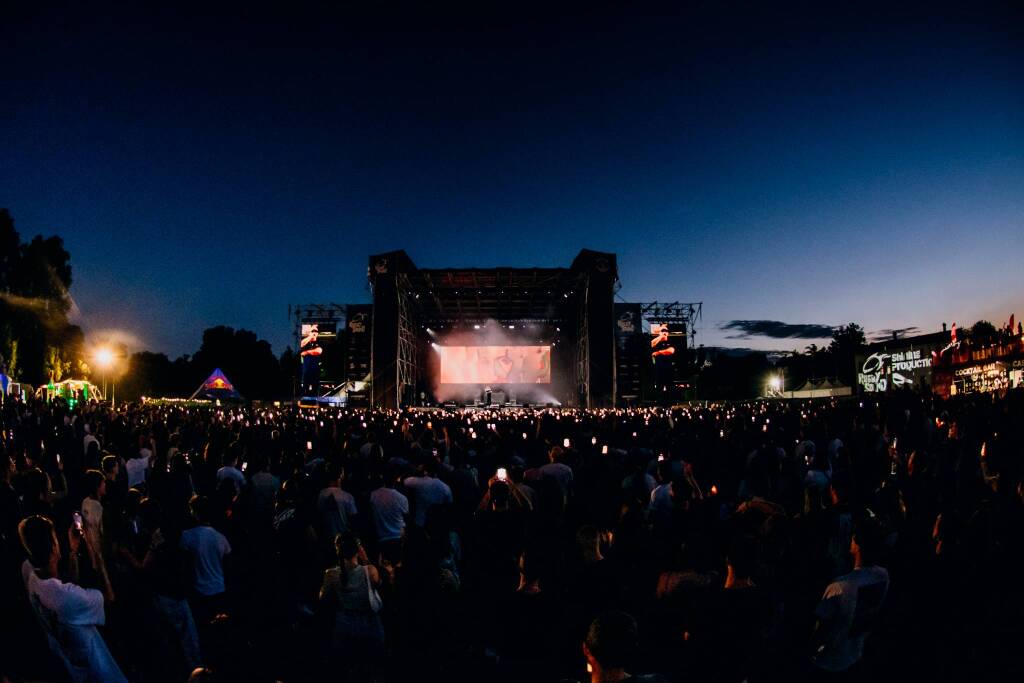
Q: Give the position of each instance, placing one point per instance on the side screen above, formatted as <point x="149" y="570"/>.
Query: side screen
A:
<point x="316" y="347"/>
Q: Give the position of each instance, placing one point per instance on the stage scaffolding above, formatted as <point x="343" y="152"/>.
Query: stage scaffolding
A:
<point x="582" y="351"/>
<point x="685" y="314"/>
<point x="410" y="371"/>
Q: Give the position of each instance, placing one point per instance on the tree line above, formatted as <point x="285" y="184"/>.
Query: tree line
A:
<point x="37" y="341"/>
<point x="39" y="344"/>
<point x="248" y="361"/>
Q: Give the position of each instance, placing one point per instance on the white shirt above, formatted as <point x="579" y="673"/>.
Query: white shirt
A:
<point x="427" y="492"/>
<point x="389" y="510"/>
<point x="136" y="469"/>
<point x="92" y="518"/>
<point x="857" y="594"/>
<point x="208" y="547"/>
<point x="70" y="615"/>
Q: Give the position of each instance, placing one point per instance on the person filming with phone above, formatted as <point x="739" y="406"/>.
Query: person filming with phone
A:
<point x="67" y="612"/>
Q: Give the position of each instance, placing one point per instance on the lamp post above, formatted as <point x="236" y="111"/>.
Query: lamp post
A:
<point x="104" y="358"/>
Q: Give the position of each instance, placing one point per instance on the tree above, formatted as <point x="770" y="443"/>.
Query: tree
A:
<point x="36" y="340"/>
<point x="55" y="365"/>
<point x="847" y="342"/>
<point x="153" y="374"/>
<point x="10" y="246"/>
<point x="982" y="331"/>
<point x="248" y="361"/>
<point x="290" y="367"/>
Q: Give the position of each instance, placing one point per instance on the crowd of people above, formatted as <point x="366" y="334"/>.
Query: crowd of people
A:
<point x="870" y="538"/>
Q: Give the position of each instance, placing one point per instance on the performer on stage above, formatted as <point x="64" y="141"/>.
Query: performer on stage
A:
<point x="310" y="351"/>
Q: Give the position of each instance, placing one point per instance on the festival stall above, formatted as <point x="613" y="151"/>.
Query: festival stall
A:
<point x="217" y="387"/>
<point x="70" y="390"/>
<point x="819" y="388"/>
<point x="969" y="367"/>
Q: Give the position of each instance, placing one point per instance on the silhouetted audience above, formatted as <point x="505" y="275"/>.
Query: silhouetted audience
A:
<point x="868" y="538"/>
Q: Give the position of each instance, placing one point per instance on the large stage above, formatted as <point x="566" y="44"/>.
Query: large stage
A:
<point x="525" y="336"/>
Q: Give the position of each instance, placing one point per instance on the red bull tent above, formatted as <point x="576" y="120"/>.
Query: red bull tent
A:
<point x="217" y="386"/>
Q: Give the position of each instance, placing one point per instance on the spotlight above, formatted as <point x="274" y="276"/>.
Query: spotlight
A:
<point x="476" y="327"/>
<point x="511" y="327"/>
<point x="104" y="358"/>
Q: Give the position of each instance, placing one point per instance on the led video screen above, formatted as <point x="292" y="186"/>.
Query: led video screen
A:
<point x="495" y="364"/>
<point x="662" y="342"/>
<point x="316" y="346"/>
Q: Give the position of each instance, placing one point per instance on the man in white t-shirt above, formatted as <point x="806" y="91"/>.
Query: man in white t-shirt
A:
<point x="207" y="549"/>
<point x="663" y="496"/>
<point x="427" y="491"/>
<point x="335" y="506"/>
<point x="851" y="604"/>
<point x="89" y="439"/>
<point x="231" y="472"/>
<point x="390" y="508"/>
<point x="137" y="468"/>
<point x="67" y="612"/>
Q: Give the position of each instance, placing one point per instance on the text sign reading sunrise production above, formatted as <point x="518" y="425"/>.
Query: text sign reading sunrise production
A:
<point x="495" y="364"/>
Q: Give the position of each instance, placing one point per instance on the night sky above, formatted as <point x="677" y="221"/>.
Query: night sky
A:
<point x="804" y="168"/>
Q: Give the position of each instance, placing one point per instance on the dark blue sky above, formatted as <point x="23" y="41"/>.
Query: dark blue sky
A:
<point x="799" y="167"/>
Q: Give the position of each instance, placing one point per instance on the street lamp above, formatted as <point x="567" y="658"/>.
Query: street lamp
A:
<point x="104" y="358"/>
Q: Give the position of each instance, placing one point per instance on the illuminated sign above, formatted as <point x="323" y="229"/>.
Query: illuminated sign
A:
<point x="882" y="371"/>
<point x="981" y="378"/>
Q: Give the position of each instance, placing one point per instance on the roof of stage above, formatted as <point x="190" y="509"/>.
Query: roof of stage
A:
<point x="469" y="295"/>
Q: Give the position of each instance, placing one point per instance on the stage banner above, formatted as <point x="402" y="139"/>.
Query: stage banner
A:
<point x="628" y="323"/>
<point x="358" y="335"/>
